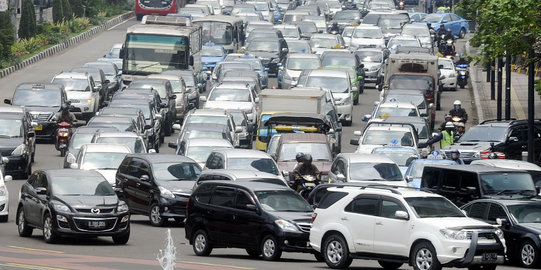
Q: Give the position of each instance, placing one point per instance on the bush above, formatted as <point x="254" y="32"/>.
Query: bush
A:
<point x="7" y="35"/>
<point x="27" y="25"/>
<point x="58" y="13"/>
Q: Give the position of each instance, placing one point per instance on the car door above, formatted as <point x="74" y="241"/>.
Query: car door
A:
<point x="362" y="210"/>
<point x="220" y="217"/>
<point x="145" y="186"/>
<point x="513" y="234"/>
<point x="516" y="142"/>
<point x="391" y="234"/>
<point x="40" y="200"/>
<point x="29" y="199"/>
<point x="246" y="224"/>
<point x="132" y="184"/>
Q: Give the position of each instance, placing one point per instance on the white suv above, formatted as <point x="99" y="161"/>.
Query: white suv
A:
<point x="401" y="225"/>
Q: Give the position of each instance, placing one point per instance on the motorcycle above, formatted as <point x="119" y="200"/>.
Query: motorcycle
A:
<point x="448" y="49"/>
<point x="462" y="70"/>
<point x="308" y="183"/>
<point x="401" y="5"/>
<point x="456" y="119"/>
<point x="63" y="136"/>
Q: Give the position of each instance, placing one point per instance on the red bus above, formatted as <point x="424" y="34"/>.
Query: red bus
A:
<point x="157" y="7"/>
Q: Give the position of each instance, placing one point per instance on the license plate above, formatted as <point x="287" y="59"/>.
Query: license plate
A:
<point x="40" y="127"/>
<point x="310" y="184"/>
<point x="96" y="224"/>
<point x="490" y="256"/>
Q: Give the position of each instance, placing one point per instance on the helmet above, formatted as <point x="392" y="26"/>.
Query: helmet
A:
<point x="455" y="154"/>
<point x="334" y="24"/>
<point x="449" y="125"/>
<point x="449" y="30"/>
<point x="308" y="158"/>
<point x="442" y="26"/>
<point x="299" y="157"/>
<point x="460" y="124"/>
<point x="457" y="102"/>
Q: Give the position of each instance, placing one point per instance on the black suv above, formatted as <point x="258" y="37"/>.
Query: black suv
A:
<point x="265" y="219"/>
<point x="157" y="185"/>
<point x="17" y="142"/>
<point x="506" y="137"/>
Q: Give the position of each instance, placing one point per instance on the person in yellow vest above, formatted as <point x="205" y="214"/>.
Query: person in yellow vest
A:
<point x="446" y="137"/>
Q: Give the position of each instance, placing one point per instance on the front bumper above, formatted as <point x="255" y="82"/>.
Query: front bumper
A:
<point x="45" y="130"/>
<point x="174" y="208"/>
<point x="449" y="83"/>
<point x="17" y="164"/>
<point x="70" y="224"/>
<point x="294" y="242"/>
<point x="344" y="111"/>
<point x="483" y="248"/>
<point x="371" y="76"/>
<point x="4" y="206"/>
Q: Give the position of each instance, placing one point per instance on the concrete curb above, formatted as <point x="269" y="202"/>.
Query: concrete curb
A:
<point x="66" y="44"/>
<point x="474" y="84"/>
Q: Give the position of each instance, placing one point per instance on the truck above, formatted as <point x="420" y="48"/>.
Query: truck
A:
<point x="414" y="72"/>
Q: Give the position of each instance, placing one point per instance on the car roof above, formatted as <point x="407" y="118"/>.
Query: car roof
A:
<point x="328" y="73"/>
<point x="388" y="127"/>
<point x="241" y="153"/>
<point x="475" y="168"/>
<point x="397" y="105"/>
<point x="406" y="192"/>
<point x="74" y="75"/>
<point x="170" y="77"/>
<point x="151" y="80"/>
<point x="366" y="158"/>
<point x="241" y="174"/>
<point x="11" y="116"/>
<point x="110" y="119"/>
<point x="217" y="112"/>
<point x="40" y="86"/>
<point x="74" y="173"/>
<point x="205" y="127"/>
<point x="251" y="185"/>
<point x="302" y="56"/>
<point x="162" y="158"/>
<point x="507" y="202"/>
<point x="105" y="148"/>
<point x="507" y="163"/>
<point x="434" y="161"/>
<point x="405" y="119"/>
<point x="119" y="134"/>
<point x="94" y="129"/>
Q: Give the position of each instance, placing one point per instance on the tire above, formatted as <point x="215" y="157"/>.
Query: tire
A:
<point x="168" y="128"/>
<point x="270" y="248"/>
<point x="528" y="254"/>
<point x="356" y="101"/>
<point x="201" y="245"/>
<point x="253" y="253"/>
<point x="28" y="172"/>
<point x="424" y="257"/>
<point x="122" y="239"/>
<point x="390" y="265"/>
<point x="32" y="157"/>
<point x="4" y="218"/>
<point x="63" y="152"/>
<point x="155" y="217"/>
<point x="319" y="257"/>
<point x="336" y="252"/>
<point x="483" y="267"/>
<point x="462" y="33"/>
<point x="49" y="235"/>
<point x="22" y="226"/>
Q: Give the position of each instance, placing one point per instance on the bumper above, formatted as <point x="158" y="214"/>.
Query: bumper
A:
<point x="371" y="77"/>
<point x="45" y="130"/>
<point x="180" y="112"/>
<point x="245" y="142"/>
<point x="69" y="225"/>
<point x="449" y="83"/>
<point x="478" y="251"/>
<point x="295" y="242"/>
<point x="344" y="111"/>
<point x="286" y="84"/>
<point x="174" y="208"/>
<point x="17" y="164"/>
<point x="4" y="206"/>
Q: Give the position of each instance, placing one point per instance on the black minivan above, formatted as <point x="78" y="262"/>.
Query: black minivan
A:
<point x="265" y="219"/>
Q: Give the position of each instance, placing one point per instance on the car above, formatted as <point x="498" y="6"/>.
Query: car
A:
<point x="221" y="68"/>
<point x="271" y="51"/>
<point x="367" y="36"/>
<point x="458" y="25"/>
<point x="136" y="114"/>
<point x="299" y="46"/>
<point x="255" y="25"/>
<point x="41" y="101"/>
<point x="81" y="135"/>
<point x="263" y="7"/>
<point x="257" y="66"/>
<point x="518" y="219"/>
<point x="242" y="159"/>
<point x="402" y="156"/>
<point x="52" y="201"/>
<point x="426" y="110"/>
<point x="506" y="138"/>
<point x="182" y="104"/>
<point x="100" y="81"/>
<point x="199" y="149"/>
<point x="421" y="32"/>
<point x="343" y="60"/>
<point x="288" y="74"/>
<point x="115" y="51"/>
<point x="101" y="157"/>
<point x="365" y="168"/>
<point x="347" y="33"/>
<point x="399" y="41"/>
<point x="346" y="18"/>
<point x="112" y="74"/>
<point x="534" y="170"/>
<point x="248" y="129"/>
<point x="193" y="88"/>
<point x="415" y="169"/>
<point x="320" y="22"/>
<point x="4" y="197"/>
<point x="383" y="110"/>
<point x="448" y="72"/>
<point x="233" y="98"/>
<point x="307" y="29"/>
<point x="377" y="134"/>
<point x="133" y="141"/>
<point x="157" y="185"/>
<point x="239" y="175"/>
<point x="202" y="131"/>
<point x="320" y="42"/>
<point x="210" y="55"/>
<point x="401" y="225"/>
<point x="17" y="143"/>
<point x="213" y="116"/>
<point x="82" y="93"/>
<point x="283" y="213"/>
<point x="373" y="61"/>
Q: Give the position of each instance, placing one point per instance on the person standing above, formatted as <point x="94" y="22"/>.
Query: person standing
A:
<point x="446" y="137"/>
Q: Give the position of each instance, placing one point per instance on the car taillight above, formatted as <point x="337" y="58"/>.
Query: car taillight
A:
<point x="187" y="204"/>
<point x="314" y="215"/>
<point x="487" y="155"/>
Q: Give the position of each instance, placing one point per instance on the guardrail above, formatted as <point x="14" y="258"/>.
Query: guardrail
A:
<point x="66" y="44"/>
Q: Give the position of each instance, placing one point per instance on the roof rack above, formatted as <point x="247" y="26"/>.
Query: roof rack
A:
<point x="166" y="20"/>
<point x="495" y="120"/>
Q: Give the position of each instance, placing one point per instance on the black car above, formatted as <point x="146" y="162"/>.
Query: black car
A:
<point x="520" y="221"/>
<point x="71" y="203"/>
<point x="17" y="143"/>
<point x="41" y="101"/>
<point x="265" y="219"/>
<point x="157" y="185"/>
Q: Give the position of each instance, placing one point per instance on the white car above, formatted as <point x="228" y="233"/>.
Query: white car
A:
<point x="321" y="42"/>
<point x="384" y="135"/>
<point x="288" y="75"/>
<point x="369" y="169"/>
<point x="82" y="92"/>
<point x="232" y="98"/>
<point x="392" y="108"/>
<point x="4" y="197"/>
<point x="419" y="31"/>
<point x="401" y="225"/>
<point x="367" y="36"/>
<point x="448" y="73"/>
<point x="101" y="157"/>
<point x="398" y="41"/>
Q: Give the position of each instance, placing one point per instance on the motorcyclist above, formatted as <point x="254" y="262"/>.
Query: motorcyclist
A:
<point x="459" y="111"/>
<point x="300" y="159"/>
<point x="460" y="129"/>
<point x="441" y="32"/>
<point x="448" y="118"/>
<point x="334" y="28"/>
<point x="455" y="156"/>
<point x="64" y="115"/>
<point x="307" y="168"/>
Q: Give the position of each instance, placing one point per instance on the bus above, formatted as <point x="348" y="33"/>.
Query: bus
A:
<point x="222" y="30"/>
<point x="161" y="43"/>
<point x="157" y="7"/>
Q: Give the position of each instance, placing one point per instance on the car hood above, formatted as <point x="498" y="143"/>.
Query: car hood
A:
<point x="366" y="148"/>
<point x="293" y="73"/>
<point x="297" y="217"/>
<point x="265" y="55"/>
<point x="402" y="183"/>
<point x="211" y="59"/>
<point x="322" y="166"/>
<point x="447" y="72"/>
<point x="471" y="146"/>
<point x="10" y="143"/>
<point x="109" y="175"/>
<point x="532" y="226"/>
<point x="367" y="41"/>
<point x="88" y="201"/>
<point x="229" y="105"/>
<point x="344" y="22"/>
<point x="79" y="94"/>
<point x="31" y="109"/>
<point x="457" y="223"/>
<point x="178" y="187"/>
<point x="369" y="65"/>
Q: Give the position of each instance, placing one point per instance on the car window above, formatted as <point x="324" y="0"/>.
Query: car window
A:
<point x="454" y="17"/>
<point x="496" y="211"/>
<point x="32" y="180"/>
<point x="327" y="199"/>
<point x="446" y="18"/>
<point x="339" y="167"/>
<point x="477" y="210"/>
<point x="42" y="181"/>
<point x="388" y="208"/>
<point x="223" y="196"/>
<point x="242" y="200"/>
<point x="204" y="193"/>
<point x="450" y="181"/>
<point x="365" y="206"/>
<point x="431" y="178"/>
<point x="521" y="133"/>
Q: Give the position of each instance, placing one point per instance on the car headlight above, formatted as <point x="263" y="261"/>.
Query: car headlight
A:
<point x="122" y="207"/>
<point x="60" y="207"/>
<point x="452" y="75"/>
<point x="285" y="225"/>
<point x="166" y="193"/>
<point x="476" y="155"/>
<point x="19" y="151"/>
<point x="454" y="234"/>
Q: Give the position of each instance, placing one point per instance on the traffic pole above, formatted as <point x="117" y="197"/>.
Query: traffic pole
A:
<point x="492" y="79"/>
<point x="500" y="85"/>
<point x="531" y="96"/>
<point x="507" y="87"/>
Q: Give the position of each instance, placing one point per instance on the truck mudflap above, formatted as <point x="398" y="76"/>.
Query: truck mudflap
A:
<point x="482" y="253"/>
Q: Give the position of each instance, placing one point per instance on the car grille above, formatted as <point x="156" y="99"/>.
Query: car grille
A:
<point x="102" y="210"/>
<point x="463" y="154"/>
<point x="82" y="224"/>
<point x="305" y="227"/>
<point x="41" y="116"/>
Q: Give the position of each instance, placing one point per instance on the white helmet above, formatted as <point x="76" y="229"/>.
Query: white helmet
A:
<point x="449" y="125"/>
<point x="457" y="102"/>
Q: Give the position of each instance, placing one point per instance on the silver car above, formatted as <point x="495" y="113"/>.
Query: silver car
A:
<point x="102" y="157"/>
<point x="288" y="75"/>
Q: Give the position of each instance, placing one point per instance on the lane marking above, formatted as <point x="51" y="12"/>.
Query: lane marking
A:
<point x="29" y="266"/>
<point x="217" y="265"/>
<point x="35" y="249"/>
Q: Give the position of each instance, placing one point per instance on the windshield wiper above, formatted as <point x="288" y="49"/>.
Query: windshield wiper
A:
<point x="513" y="191"/>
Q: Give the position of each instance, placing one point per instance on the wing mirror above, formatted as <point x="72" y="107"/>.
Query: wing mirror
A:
<point x="357" y="133"/>
<point x="176" y="126"/>
<point x="5" y="160"/>
<point x="354" y="142"/>
<point x="145" y="178"/>
<point x="401" y="215"/>
<point x="238" y="129"/>
<point x="172" y="145"/>
<point x="8" y="178"/>
<point x="503" y="222"/>
<point x="41" y="191"/>
<point x="340" y="177"/>
<point x="203" y="98"/>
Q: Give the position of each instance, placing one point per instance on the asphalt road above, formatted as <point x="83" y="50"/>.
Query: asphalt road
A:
<point x="146" y="241"/>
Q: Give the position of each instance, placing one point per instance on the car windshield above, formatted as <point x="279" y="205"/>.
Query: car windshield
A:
<point x="374" y="171"/>
<point x="367" y="33"/>
<point x="207" y="119"/>
<point x="205" y="134"/>
<point x="176" y="85"/>
<point x="319" y="22"/>
<point x="307" y="27"/>
<point x="526" y="212"/>
<point x="348" y="32"/>
<point x="388" y="137"/>
<point x="334" y="84"/>
<point x="135" y="144"/>
<point x="170" y="171"/>
<point x="11" y="128"/>
<point x="390" y="23"/>
<point x="507" y="183"/>
<point x="160" y="88"/>
<point x="84" y="186"/>
<point x="333" y="60"/>
<point x="347" y="16"/>
<point x="71" y="84"/>
<point x="323" y="42"/>
<point x="384" y="112"/>
<point x="240" y="95"/>
<point x="367" y="56"/>
<point x="37" y="98"/>
<point x="402" y="157"/>
<point x="484" y="133"/>
<point x="188" y="80"/>
<point x="432" y="18"/>
<point x="433" y="207"/>
<point x="263" y="46"/>
<point x="78" y="139"/>
<point x="238" y="118"/>
<point x="319" y="151"/>
<point x="408" y="82"/>
<point x="282" y="201"/>
<point x="212" y="52"/>
<point x="102" y="160"/>
<point x="254" y="63"/>
<point x="417" y="100"/>
<point x="121" y="126"/>
<point x="303" y="63"/>
<point x="298" y="47"/>
<point x="259" y="164"/>
<point x="446" y="64"/>
<point x="395" y="42"/>
<point x="201" y="153"/>
<point x="289" y="32"/>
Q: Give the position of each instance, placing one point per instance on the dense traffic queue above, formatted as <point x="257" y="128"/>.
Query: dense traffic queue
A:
<point x="260" y="166"/>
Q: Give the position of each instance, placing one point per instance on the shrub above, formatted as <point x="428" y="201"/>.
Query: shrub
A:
<point x="27" y="25"/>
<point x="58" y="13"/>
<point x="6" y="35"/>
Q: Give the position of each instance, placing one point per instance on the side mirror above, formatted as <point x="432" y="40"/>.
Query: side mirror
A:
<point x="214" y="77"/>
<point x="172" y="145"/>
<point x="354" y="142"/>
<point x="366" y="117"/>
<point x="401" y="215"/>
<point x="41" y="191"/>
<point x="285" y="50"/>
<point x="173" y="97"/>
<point x="512" y="139"/>
<point x="107" y="81"/>
<point x="357" y="133"/>
<point x="163" y="105"/>
<point x="7" y="101"/>
<point x="145" y="178"/>
<point x="74" y="165"/>
<point x="409" y="178"/>
<point x="503" y="222"/>
<point x="203" y="98"/>
<point x="238" y="129"/>
<point x="5" y="160"/>
<point x="340" y="177"/>
<point x="8" y="178"/>
<point x="152" y="151"/>
<point x="176" y="126"/>
<point x="96" y="88"/>
<point x="251" y="207"/>
<point x="424" y="114"/>
<point x="431" y="105"/>
<point x="147" y="126"/>
<point x="376" y="103"/>
<point x="256" y="100"/>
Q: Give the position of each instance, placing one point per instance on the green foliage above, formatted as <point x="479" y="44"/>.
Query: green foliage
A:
<point x="58" y="13"/>
<point x="7" y="35"/>
<point x="66" y="10"/>
<point x="537" y="86"/>
<point x="27" y="24"/>
<point x="77" y="8"/>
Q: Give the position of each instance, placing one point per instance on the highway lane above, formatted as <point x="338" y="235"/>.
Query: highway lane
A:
<point x="145" y="242"/>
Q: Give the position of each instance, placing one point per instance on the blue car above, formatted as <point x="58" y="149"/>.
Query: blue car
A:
<point x="258" y="67"/>
<point x="415" y="169"/>
<point x="210" y="55"/>
<point x="458" y="25"/>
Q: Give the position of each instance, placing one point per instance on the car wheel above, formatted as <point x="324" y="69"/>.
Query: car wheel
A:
<point x="270" y="249"/>
<point x="336" y="252"/>
<point x="33" y="155"/>
<point x="122" y="239"/>
<point x="348" y="123"/>
<point x="168" y="128"/>
<point x="155" y="216"/>
<point x="28" y="172"/>
<point x="390" y="265"/>
<point x="424" y="257"/>
<point x="4" y="218"/>
<point x="483" y="267"/>
<point x="22" y="226"/>
<point x="49" y="235"/>
<point x="201" y="245"/>
<point x="462" y="33"/>
<point x="139" y="16"/>
<point x="528" y="254"/>
<point x="253" y="253"/>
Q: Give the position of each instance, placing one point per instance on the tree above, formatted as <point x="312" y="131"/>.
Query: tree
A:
<point x="7" y="34"/>
<point x="27" y="24"/>
<point x="77" y="8"/>
<point x="58" y="14"/>
<point x="66" y="10"/>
